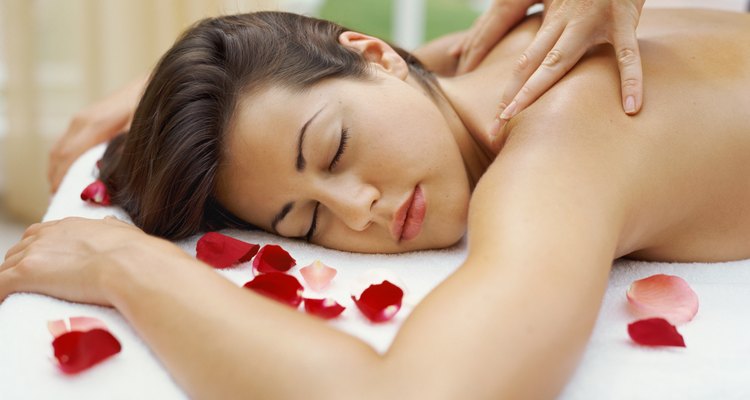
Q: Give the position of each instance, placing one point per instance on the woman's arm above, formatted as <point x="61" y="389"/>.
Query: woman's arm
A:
<point x="510" y="323"/>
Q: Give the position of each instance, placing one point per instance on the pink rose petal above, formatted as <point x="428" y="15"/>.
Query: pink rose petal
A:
<point x="380" y="303"/>
<point x="278" y="286"/>
<point x="57" y="328"/>
<point x="317" y="275"/>
<point x="655" y="332"/>
<point x="222" y="251"/>
<point x="664" y="296"/>
<point x="81" y="324"/>
<point x="96" y="193"/>
<point x="273" y="258"/>
<point x="324" y="308"/>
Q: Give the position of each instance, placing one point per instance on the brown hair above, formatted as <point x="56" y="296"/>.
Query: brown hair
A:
<point x="163" y="172"/>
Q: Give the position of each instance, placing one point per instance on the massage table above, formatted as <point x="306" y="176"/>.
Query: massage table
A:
<point x="714" y="365"/>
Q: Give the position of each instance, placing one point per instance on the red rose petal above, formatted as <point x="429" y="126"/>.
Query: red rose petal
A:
<point x="278" y="286"/>
<point x="664" y="296"/>
<point x="222" y="251"/>
<point x="96" y="193"/>
<point x="655" y="332"/>
<point x="317" y="275"/>
<point x="76" y="351"/>
<point x="379" y="303"/>
<point x="273" y="258"/>
<point x="324" y="308"/>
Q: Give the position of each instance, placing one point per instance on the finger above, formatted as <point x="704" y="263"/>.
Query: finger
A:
<point x="18" y="247"/>
<point x="531" y="58"/>
<point x="485" y="37"/>
<point x="458" y="47"/>
<point x="11" y="261"/>
<point x="33" y="229"/>
<point x="571" y="46"/>
<point x="631" y="71"/>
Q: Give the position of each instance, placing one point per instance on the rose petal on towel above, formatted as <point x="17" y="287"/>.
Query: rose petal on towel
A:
<point x="379" y="303"/>
<point x="317" y="275"/>
<point x="278" y="286"/>
<point x="324" y="308"/>
<point x="273" y="258"/>
<point x="76" y="351"/>
<point x="96" y="193"/>
<point x="655" y="332"/>
<point x="374" y="276"/>
<point x="57" y="327"/>
<point x="80" y="324"/>
<point x="222" y="251"/>
<point x="665" y="296"/>
<point x="86" y="324"/>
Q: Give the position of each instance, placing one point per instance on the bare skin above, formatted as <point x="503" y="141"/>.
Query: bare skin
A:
<point x="575" y="184"/>
<point x="688" y="133"/>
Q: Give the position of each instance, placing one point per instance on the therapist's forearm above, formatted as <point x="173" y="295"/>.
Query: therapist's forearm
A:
<point x="222" y="341"/>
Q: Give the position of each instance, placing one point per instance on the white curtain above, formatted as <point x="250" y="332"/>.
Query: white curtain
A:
<point x="62" y="55"/>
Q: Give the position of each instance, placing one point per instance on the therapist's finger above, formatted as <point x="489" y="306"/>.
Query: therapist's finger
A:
<point x="631" y="71"/>
<point x="525" y="66"/>
<point x="490" y="30"/>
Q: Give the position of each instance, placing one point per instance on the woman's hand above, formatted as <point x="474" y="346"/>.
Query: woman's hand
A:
<point x="569" y="29"/>
<point x="95" y="124"/>
<point x="69" y="258"/>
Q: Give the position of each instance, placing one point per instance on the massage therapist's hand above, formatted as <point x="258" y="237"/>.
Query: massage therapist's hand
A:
<point x="569" y="29"/>
<point x="70" y="258"/>
<point x="95" y="124"/>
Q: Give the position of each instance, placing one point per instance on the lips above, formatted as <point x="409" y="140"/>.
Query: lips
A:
<point x="407" y="223"/>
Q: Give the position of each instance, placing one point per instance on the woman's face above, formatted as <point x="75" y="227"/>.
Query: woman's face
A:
<point x="372" y="162"/>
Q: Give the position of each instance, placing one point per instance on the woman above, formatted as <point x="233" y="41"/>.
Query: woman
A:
<point x="381" y="157"/>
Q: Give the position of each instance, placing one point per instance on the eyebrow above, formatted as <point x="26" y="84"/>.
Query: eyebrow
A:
<point x="301" y="158"/>
<point x="300" y="166"/>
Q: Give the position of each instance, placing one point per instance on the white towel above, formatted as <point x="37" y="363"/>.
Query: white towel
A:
<point x="715" y="364"/>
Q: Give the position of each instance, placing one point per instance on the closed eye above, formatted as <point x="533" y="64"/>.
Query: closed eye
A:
<point x="339" y="152"/>
<point x="313" y="225"/>
<point x="342" y="147"/>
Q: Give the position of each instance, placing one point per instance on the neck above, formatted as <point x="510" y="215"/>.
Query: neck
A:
<point x="475" y="156"/>
<point x="469" y="102"/>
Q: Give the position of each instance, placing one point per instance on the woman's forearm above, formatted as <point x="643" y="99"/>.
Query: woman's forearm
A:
<point x="219" y="340"/>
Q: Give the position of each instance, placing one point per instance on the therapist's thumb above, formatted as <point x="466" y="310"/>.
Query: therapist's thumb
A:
<point x="631" y="70"/>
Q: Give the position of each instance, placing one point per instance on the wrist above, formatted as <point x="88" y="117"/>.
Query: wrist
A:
<point x="139" y="267"/>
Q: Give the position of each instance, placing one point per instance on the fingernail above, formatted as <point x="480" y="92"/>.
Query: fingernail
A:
<point x="630" y="105"/>
<point x="509" y="111"/>
<point x="494" y="129"/>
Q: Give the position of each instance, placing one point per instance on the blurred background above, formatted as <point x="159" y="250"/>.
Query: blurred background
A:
<point x="57" y="56"/>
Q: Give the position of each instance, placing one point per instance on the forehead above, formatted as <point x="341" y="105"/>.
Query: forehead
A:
<point x="257" y="173"/>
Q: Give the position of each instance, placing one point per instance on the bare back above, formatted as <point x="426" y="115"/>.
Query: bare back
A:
<point x="687" y="154"/>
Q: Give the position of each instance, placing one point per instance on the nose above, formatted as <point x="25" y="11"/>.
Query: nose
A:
<point x="350" y="200"/>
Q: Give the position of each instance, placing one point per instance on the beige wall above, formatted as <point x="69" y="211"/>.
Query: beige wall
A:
<point x="61" y="55"/>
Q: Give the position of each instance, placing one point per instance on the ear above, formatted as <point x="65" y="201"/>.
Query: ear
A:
<point x="377" y="52"/>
